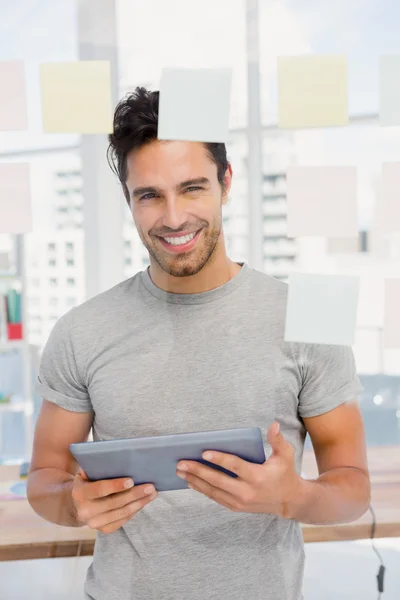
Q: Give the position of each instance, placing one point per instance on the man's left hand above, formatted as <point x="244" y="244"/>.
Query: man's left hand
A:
<point x="268" y="488"/>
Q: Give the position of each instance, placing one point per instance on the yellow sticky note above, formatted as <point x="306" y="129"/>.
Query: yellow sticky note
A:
<point x="76" y="97"/>
<point x="312" y="91"/>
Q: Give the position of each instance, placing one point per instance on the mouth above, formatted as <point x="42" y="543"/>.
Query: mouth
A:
<point x="176" y="245"/>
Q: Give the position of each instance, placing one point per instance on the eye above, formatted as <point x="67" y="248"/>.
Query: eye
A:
<point x="193" y="187"/>
<point x="147" y="196"/>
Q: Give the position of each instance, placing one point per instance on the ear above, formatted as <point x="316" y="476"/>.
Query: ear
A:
<point x="227" y="183"/>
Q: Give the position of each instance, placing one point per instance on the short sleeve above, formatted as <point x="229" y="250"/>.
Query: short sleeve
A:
<point x="329" y="379"/>
<point x="59" y="379"/>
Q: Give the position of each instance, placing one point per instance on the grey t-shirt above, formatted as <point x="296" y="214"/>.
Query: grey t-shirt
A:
<point x="149" y="362"/>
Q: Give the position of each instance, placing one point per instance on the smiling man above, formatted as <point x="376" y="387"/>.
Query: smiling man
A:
<point x="178" y="214"/>
<point x="194" y="342"/>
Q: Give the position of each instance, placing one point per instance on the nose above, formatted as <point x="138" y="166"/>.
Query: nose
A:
<point x="174" y="212"/>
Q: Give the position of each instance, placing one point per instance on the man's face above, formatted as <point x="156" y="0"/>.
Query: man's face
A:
<point x="174" y="190"/>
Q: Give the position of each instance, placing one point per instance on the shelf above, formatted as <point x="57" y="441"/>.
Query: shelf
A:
<point x="12" y="345"/>
<point x="12" y="407"/>
<point x="9" y="276"/>
<point x="13" y="275"/>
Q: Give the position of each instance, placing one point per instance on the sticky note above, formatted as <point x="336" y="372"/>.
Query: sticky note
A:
<point x="76" y="97"/>
<point x="13" y="112"/>
<point x="322" y="201"/>
<point x="194" y="104"/>
<point x="391" y="323"/>
<point x="388" y="202"/>
<point x="321" y="309"/>
<point x="389" y="79"/>
<point x="4" y="262"/>
<point x="343" y="245"/>
<point x="15" y="198"/>
<point x="312" y="91"/>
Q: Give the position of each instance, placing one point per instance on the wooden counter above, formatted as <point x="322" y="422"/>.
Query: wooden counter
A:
<point x="25" y="535"/>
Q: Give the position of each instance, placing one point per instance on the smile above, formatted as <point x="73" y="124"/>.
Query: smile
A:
<point x="182" y="243"/>
<point x="178" y="241"/>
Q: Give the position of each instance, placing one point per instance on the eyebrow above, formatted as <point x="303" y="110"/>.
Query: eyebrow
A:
<point x="154" y="190"/>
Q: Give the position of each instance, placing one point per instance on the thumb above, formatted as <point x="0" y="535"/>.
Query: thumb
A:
<point x="275" y="438"/>
<point x="83" y="475"/>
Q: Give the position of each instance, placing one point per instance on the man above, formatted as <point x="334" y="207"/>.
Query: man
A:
<point x="193" y="343"/>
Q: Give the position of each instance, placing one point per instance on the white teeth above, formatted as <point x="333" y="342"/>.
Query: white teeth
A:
<point x="178" y="241"/>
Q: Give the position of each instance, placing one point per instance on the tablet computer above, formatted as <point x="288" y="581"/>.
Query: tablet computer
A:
<point x="154" y="459"/>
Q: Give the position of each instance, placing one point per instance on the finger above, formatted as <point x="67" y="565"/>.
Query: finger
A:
<point x="243" y="469"/>
<point x="233" y="486"/>
<point x="106" y="487"/>
<point x="280" y="446"/>
<point x="112" y="527"/>
<point x="121" y="514"/>
<point x="109" y="503"/>
<point x="215" y="494"/>
<point x="83" y="475"/>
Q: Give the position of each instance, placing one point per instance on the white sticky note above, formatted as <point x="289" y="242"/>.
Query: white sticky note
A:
<point x="13" y="112"/>
<point x="76" y="97"/>
<point x="389" y="90"/>
<point x="322" y="201"/>
<point x="391" y="324"/>
<point x="15" y="198"/>
<point x="321" y="309"/>
<point x="388" y="203"/>
<point x="348" y="245"/>
<point x="312" y="91"/>
<point x="4" y="262"/>
<point x="194" y="104"/>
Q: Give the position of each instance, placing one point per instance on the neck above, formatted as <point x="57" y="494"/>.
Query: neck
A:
<point x="219" y="270"/>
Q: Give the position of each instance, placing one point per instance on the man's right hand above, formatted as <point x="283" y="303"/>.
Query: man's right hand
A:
<point x="108" y="504"/>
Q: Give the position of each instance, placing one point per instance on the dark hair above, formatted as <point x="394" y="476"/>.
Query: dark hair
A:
<point x="136" y="124"/>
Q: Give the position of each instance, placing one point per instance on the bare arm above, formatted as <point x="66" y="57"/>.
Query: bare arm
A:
<point x="53" y="468"/>
<point x="59" y="492"/>
<point x="342" y="492"/>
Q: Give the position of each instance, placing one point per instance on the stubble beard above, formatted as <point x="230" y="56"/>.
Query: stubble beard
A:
<point x="185" y="264"/>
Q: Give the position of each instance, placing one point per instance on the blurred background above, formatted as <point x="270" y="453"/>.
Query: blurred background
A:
<point x="84" y="241"/>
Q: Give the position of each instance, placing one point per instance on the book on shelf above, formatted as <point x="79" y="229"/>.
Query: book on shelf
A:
<point x="11" y="314"/>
